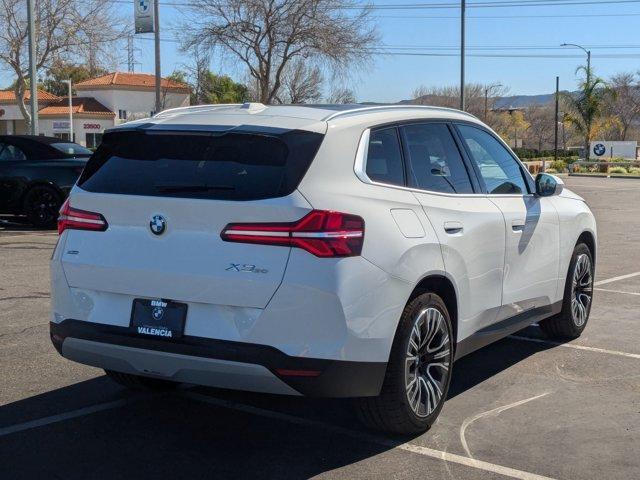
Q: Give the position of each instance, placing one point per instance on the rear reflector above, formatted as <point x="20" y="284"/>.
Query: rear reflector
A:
<point x="75" y="219"/>
<point x="322" y="233"/>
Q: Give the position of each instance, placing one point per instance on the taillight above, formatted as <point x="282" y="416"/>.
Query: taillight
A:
<point x="322" y="233"/>
<point x="76" y="219"/>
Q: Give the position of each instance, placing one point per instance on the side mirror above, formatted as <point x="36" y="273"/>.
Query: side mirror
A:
<point x="548" y="185"/>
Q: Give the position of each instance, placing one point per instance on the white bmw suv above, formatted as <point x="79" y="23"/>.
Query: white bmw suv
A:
<point x="313" y="250"/>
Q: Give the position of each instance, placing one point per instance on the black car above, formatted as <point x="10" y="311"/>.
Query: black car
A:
<point x="36" y="174"/>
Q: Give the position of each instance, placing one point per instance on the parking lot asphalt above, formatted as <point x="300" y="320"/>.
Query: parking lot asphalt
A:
<point x="523" y="408"/>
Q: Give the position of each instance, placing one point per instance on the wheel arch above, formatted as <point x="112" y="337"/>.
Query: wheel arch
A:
<point x="445" y="289"/>
<point x="588" y="238"/>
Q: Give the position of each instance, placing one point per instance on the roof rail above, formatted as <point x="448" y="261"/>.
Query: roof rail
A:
<point x="365" y="109"/>
<point x="194" y="108"/>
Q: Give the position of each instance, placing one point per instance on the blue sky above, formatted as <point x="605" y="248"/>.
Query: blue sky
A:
<point x="392" y="78"/>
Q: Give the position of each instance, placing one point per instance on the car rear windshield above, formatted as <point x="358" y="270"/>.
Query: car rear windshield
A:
<point x="71" y="149"/>
<point x="225" y="166"/>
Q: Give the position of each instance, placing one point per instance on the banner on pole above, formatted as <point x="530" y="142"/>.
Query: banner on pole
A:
<point x="143" y="11"/>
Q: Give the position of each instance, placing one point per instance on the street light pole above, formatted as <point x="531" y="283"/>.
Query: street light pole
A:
<point x="555" y="143"/>
<point x="68" y="82"/>
<point x="33" y="73"/>
<point x="463" y="8"/>
<point x="487" y="89"/>
<point x="588" y="52"/>
<point x="156" y="28"/>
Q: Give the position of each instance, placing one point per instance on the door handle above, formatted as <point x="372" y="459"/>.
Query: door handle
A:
<point x="518" y="225"/>
<point x="453" y="227"/>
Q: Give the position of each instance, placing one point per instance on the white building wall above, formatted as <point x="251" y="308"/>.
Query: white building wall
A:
<point x="81" y="126"/>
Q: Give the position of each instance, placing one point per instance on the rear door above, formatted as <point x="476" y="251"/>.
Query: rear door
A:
<point x="532" y="226"/>
<point x="13" y="177"/>
<point x="469" y="226"/>
<point x="167" y="197"/>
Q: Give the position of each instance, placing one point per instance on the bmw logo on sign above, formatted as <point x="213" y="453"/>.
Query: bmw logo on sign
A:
<point x="158" y="313"/>
<point x="599" y="149"/>
<point x="158" y="224"/>
<point x="143" y="6"/>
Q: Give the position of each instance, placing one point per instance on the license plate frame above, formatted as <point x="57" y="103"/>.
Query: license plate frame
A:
<point x="158" y="318"/>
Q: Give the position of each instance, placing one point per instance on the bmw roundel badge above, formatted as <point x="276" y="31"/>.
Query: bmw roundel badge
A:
<point x="158" y="224"/>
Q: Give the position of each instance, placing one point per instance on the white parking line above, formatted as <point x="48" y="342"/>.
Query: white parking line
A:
<point x="617" y="291"/>
<point x="615" y="279"/>
<point x="61" y="417"/>
<point x="407" y="447"/>
<point x="577" y="347"/>
<point x="493" y="412"/>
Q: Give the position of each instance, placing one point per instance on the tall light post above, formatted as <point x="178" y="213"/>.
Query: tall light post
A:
<point x="68" y="82"/>
<point x="487" y="90"/>
<point x="588" y="52"/>
<point x="33" y="80"/>
<point x="463" y="8"/>
<point x="156" y="38"/>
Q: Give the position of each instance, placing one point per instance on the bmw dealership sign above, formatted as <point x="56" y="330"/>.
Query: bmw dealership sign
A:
<point x="605" y="150"/>
<point x="143" y="10"/>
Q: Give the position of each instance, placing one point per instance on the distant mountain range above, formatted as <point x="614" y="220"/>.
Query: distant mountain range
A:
<point x="516" y="101"/>
<point x="523" y="101"/>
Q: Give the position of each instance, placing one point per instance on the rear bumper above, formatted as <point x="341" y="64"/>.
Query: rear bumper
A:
<point x="217" y="363"/>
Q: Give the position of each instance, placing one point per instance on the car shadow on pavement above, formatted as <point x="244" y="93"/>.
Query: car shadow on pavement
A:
<point x="171" y="435"/>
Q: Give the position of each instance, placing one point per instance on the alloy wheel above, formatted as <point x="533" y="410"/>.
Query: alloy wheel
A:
<point x="428" y="361"/>
<point x="43" y="206"/>
<point x="581" y="289"/>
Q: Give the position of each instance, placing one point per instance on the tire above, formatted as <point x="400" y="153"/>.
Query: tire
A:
<point x="577" y="300"/>
<point x="41" y="204"/>
<point x="138" y="382"/>
<point x="396" y="410"/>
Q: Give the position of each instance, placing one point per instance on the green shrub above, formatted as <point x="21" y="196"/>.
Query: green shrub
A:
<point x="558" y="165"/>
<point x="551" y="170"/>
<point x="621" y="170"/>
<point x="618" y="160"/>
<point x="634" y="170"/>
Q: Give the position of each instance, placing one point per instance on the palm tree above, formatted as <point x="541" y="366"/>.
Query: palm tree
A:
<point x="585" y="107"/>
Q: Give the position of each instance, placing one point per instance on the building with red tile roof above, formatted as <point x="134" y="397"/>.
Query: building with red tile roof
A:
<point x="104" y="101"/>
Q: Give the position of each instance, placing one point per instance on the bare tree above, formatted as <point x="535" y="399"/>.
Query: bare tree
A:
<point x="198" y="72"/>
<point x="62" y="29"/>
<point x="541" y="119"/>
<point x="477" y="97"/>
<point x="342" y="95"/>
<point x="301" y="84"/>
<point x="266" y="36"/>
<point x="625" y="105"/>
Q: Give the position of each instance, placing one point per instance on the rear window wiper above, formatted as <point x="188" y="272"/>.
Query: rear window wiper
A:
<point x="191" y="188"/>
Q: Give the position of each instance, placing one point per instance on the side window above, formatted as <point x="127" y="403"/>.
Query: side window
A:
<point x="500" y="171"/>
<point x="10" y="152"/>
<point x="435" y="161"/>
<point x="384" y="157"/>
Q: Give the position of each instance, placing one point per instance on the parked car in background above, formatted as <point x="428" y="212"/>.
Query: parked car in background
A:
<point x="332" y="251"/>
<point x="36" y="175"/>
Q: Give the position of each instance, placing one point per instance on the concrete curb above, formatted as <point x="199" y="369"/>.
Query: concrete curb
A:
<point x="604" y="175"/>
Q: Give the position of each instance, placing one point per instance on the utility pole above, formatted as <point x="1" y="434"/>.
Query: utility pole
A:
<point x="555" y="143"/>
<point x="156" y="27"/>
<point x="463" y="7"/>
<point x="33" y="73"/>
